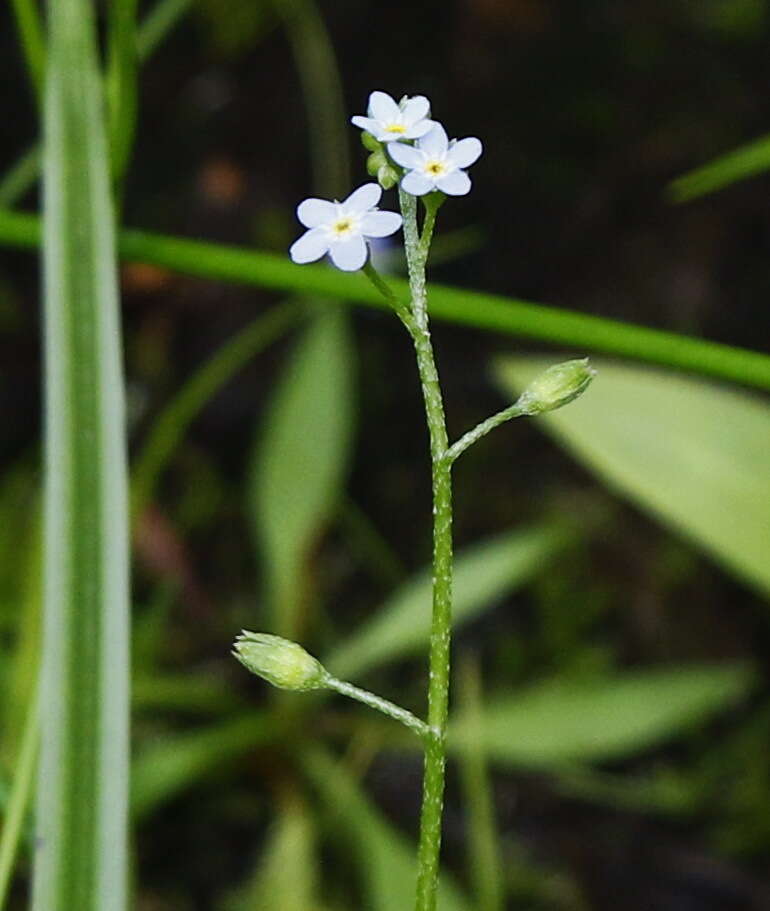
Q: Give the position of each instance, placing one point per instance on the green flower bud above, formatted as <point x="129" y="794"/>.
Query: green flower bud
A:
<point x="557" y="386"/>
<point x="387" y="176"/>
<point x="375" y="161"/>
<point x="369" y="142"/>
<point x="283" y="663"/>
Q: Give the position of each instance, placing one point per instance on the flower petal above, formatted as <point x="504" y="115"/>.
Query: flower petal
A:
<point x="383" y="107"/>
<point x="310" y="247"/>
<point x="362" y="199"/>
<point x="367" y="123"/>
<point x="380" y="224"/>
<point x="406" y="156"/>
<point x="457" y="183"/>
<point x="415" y="109"/>
<point x="463" y="152"/>
<point x="434" y="143"/>
<point x="419" y="129"/>
<point x="315" y="212"/>
<point x="350" y="254"/>
<point x="417" y="184"/>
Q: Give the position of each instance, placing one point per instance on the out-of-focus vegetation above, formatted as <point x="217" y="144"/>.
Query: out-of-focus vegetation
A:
<point x="612" y="572"/>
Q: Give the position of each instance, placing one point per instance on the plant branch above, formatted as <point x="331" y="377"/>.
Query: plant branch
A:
<point x="482" y="429"/>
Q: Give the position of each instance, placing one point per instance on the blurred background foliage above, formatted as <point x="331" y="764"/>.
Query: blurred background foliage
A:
<point x="612" y="709"/>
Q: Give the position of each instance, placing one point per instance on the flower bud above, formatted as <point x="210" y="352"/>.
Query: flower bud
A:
<point x="370" y="142"/>
<point x="387" y="176"/>
<point x="375" y="161"/>
<point x="557" y="386"/>
<point x="283" y="663"/>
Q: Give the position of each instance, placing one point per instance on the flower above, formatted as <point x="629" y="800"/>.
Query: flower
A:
<point x="281" y="662"/>
<point x="434" y="163"/>
<point x="339" y="228"/>
<point x="388" y="121"/>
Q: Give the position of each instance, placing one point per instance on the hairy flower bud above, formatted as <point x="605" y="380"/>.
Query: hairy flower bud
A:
<point x="556" y="386"/>
<point x="281" y="662"/>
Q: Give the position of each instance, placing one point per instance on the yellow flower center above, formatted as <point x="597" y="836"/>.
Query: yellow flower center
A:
<point x="435" y="168"/>
<point x="343" y="226"/>
<point x="395" y="128"/>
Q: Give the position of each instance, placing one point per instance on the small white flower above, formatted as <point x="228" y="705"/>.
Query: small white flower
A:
<point x="434" y="163"/>
<point x="339" y="228"/>
<point x="389" y="121"/>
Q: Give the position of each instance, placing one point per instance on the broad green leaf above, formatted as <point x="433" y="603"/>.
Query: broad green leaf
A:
<point x="484" y="573"/>
<point x="738" y="164"/>
<point x="300" y="460"/>
<point x="563" y="721"/>
<point x="286" y="877"/>
<point x="82" y="793"/>
<point x="694" y="454"/>
<point x="387" y="860"/>
<point x="175" y="762"/>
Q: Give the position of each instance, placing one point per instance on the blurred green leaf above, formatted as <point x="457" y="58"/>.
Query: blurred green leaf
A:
<point x="565" y="720"/>
<point x="286" y="877"/>
<point x="387" y="859"/>
<point x="738" y="164"/>
<point x="694" y="454"/>
<point x="300" y="460"/>
<point x="175" y="762"/>
<point x="484" y="573"/>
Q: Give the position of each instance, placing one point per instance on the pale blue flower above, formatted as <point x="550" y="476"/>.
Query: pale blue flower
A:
<point x="434" y="163"/>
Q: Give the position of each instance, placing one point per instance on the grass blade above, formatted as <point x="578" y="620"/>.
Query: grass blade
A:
<point x="739" y="164"/>
<point x="30" y="30"/>
<point x="474" y="309"/>
<point x="83" y="782"/>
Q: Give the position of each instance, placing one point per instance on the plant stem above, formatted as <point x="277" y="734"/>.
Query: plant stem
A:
<point x="381" y="705"/>
<point x="482" y="429"/>
<point x="441" y="622"/>
<point x="30" y="28"/>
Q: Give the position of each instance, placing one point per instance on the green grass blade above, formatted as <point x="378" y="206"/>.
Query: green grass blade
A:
<point x="18" y="802"/>
<point x="299" y="463"/>
<point x="121" y="83"/>
<point x="168" y="429"/>
<point x="30" y="28"/>
<point x="83" y="782"/>
<point x="483" y="849"/>
<point x="158" y="22"/>
<point x="20" y="177"/>
<point x="739" y="164"/>
<point x="693" y="454"/>
<point x="562" y="721"/>
<point x="507" y="316"/>
<point x="484" y="573"/>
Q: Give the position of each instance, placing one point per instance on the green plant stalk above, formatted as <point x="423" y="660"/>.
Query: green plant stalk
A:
<point x="23" y="778"/>
<point x="121" y="83"/>
<point x="491" y="312"/>
<point x="82" y="790"/>
<point x="416" y="248"/>
<point x="482" y="429"/>
<point x="381" y="705"/>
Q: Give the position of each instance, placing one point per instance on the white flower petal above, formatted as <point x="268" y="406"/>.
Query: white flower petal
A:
<point x="463" y="152"/>
<point x="350" y="254"/>
<point x="434" y="143"/>
<point x="315" y="212"/>
<point x="310" y="247"/>
<point x="383" y="108"/>
<point x="362" y="199"/>
<point x="380" y="224"/>
<point x="457" y="183"/>
<point x="367" y="123"/>
<point x="406" y="156"/>
<point x="417" y="184"/>
<point x="415" y="109"/>
<point x="419" y="129"/>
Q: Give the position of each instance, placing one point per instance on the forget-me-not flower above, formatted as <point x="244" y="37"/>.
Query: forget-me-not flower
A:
<point x="339" y="228"/>
<point x="434" y="163"/>
<point x="389" y="121"/>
